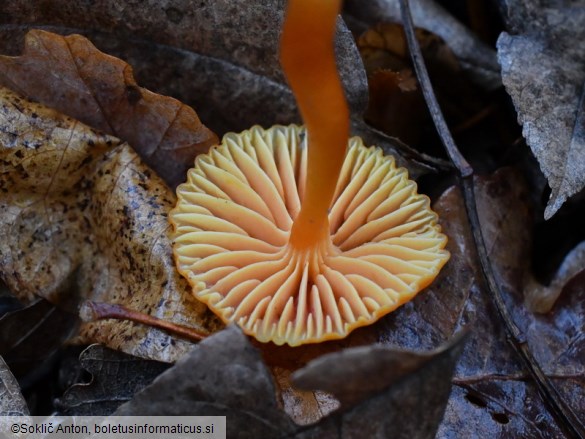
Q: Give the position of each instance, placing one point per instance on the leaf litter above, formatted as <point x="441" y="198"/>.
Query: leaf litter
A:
<point x="491" y="392"/>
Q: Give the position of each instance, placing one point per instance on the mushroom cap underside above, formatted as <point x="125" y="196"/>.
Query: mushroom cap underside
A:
<point x="232" y="225"/>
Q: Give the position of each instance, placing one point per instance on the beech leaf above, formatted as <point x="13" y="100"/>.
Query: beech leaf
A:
<point x="543" y="70"/>
<point x="83" y="213"/>
<point x="490" y="387"/>
<point x="100" y="91"/>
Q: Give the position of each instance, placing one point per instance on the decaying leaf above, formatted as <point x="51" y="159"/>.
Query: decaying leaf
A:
<point x="555" y="339"/>
<point x="81" y="212"/>
<point x="116" y="377"/>
<point x="404" y="391"/>
<point x="100" y="91"/>
<point x="32" y="335"/>
<point x="224" y="375"/>
<point x="12" y="402"/>
<point x="490" y="389"/>
<point x="476" y="58"/>
<point x="396" y="104"/>
<point x="543" y="70"/>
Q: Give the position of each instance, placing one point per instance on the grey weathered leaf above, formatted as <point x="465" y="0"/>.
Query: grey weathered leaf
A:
<point x="116" y="377"/>
<point x="476" y="58"/>
<point x="12" y="402"/>
<point x="223" y="375"/>
<point x="383" y="392"/>
<point x="543" y="70"/>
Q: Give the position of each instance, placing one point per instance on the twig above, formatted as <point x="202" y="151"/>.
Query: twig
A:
<point x="100" y="311"/>
<point x="567" y="417"/>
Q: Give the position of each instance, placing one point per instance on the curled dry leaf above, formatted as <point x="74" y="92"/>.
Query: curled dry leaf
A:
<point x="476" y="58"/>
<point x="541" y="298"/>
<point x="383" y="392"/>
<point x="82" y="212"/>
<point x="396" y="104"/>
<point x="100" y="91"/>
<point x="12" y="402"/>
<point x="116" y="377"/>
<point x="238" y="32"/>
<point x="543" y="70"/>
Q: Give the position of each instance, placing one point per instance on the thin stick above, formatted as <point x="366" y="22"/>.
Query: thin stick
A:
<point x="564" y="414"/>
<point x="99" y="311"/>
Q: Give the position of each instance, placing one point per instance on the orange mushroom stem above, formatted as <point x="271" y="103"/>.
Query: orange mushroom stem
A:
<point x="308" y="60"/>
<point x="289" y="235"/>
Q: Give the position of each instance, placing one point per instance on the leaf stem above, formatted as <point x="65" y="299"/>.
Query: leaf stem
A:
<point x="92" y="311"/>
<point x="563" y="413"/>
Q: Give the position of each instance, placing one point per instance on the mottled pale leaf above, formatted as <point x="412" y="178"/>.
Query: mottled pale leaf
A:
<point x="115" y="378"/>
<point x="82" y="213"/>
<point x="100" y="91"/>
<point x="12" y="402"/>
<point x="543" y="70"/>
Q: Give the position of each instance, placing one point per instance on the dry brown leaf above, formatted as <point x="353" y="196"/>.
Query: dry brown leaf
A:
<point x="396" y="105"/>
<point x="70" y="75"/>
<point x="82" y="212"/>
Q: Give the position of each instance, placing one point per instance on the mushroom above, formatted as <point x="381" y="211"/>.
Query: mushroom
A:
<point x="294" y="233"/>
